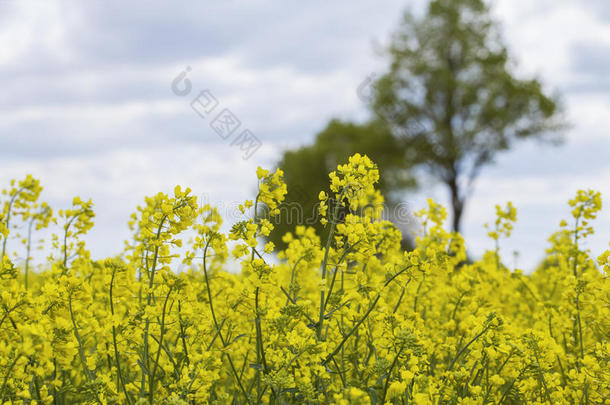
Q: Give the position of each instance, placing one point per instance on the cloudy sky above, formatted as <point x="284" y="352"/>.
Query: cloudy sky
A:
<point x="87" y="104"/>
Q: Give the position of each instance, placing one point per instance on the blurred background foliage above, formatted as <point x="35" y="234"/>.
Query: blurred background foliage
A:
<point x="306" y="170"/>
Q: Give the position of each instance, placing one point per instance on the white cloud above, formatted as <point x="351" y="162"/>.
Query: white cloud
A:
<point x="541" y="33"/>
<point x="34" y="27"/>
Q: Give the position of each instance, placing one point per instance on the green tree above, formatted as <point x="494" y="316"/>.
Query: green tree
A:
<point x="306" y="170"/>
<point x="451" y="99"/>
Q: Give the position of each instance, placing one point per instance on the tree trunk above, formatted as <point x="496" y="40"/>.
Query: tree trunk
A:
<point x="457" y="204"/>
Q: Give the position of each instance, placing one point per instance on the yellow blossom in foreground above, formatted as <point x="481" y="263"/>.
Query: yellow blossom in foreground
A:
<point x="188" y="314"/>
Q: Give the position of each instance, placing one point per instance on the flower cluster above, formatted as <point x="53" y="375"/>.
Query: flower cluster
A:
<point x="353" y="185"/>
<point x="190" y="314"/>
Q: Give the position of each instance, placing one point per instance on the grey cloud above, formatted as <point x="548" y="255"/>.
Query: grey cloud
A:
<point x="537" y="159"/>
<point x="591" y="59"/>
<point x="310" y="36"/>
<point x="73" y="137"/>
<point x="601" y="8"/>
<point x="590" y="64"/>
<point x="119" y="53"/>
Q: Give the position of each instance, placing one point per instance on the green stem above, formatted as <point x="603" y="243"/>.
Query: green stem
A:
<point x="183" y="335"/>
<point x="542" y="380"/>
<point x="151" y="383"/>
<point x="81" y="351"/>
<point x="369" y="310"/>
<point x="260" y="354"/>
<point x="8" y="374"/>
<point x="27" y="254"/>
<point x="457" y="356"/>
<point x="576" y="251"/>
<point x="387" y="381"/>
<point x="66" y="230"/>
<point x="332" y="282"/>
<point x="114" y="341"/>
<point x="222" y="339"/>
<point x="331" y="233"/>
<point x="151" y="276"/>
<point x="7" y="222"/>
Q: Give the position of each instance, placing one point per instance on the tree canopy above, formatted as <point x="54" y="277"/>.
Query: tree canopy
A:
<point x="451" y="96"/>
